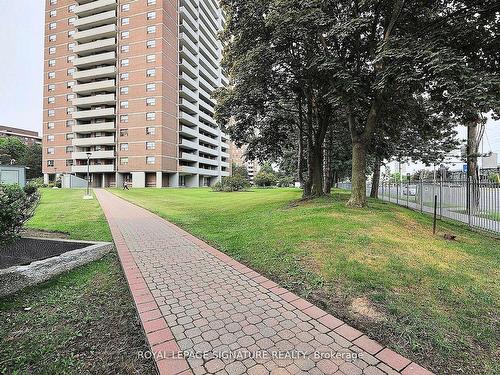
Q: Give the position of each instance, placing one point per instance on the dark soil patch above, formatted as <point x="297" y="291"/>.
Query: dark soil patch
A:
<point x="39" y="233"/>
<point x="23" y="251"/>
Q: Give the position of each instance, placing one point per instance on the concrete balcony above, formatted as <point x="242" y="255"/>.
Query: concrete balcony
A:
<point x="88" y="101"/>
<point x="212" y="141"/>
<point x="190" y="132"/>
<point x="108" y="126"/>
<point x="93" y="168"/>
<point x="188" y="156"/>
<point x="207" y="118"/>
<point x="206" y="86"/>
<point x="188" y="144"/>
<point x="187" y="169"/>
<point x="95" y="7"/>
<point x="188" y="106"/>
<point x="186" y="67"/>
<point x="224" y="164"/>
<point x="189" y="7"/>
<point x="188" y="81"/>
<point x="94" y="141"/>
<point x="185" y="118"/>
<point x="91" y="113"/>
<point x="209" y="129"/>
<point x="185" y="41"/>
<point x="203" y="160"/>
<point x="92" y="60"/>
<point x="208" y="172"/>
<point x="186" y="16"/>
<point x="100" y="19"/>
<point x="91" y="74"/>
<point x="87" y="88"/>
<point x="224" y="154"/>
<point x="95" y="47"/>
<point x="99" y="32"/>
<point x="94" y="155"/>
<point x="188" y="94"/>
<point x="188" y="56"/>
<point x="208" y="150"/>
<point x="208" y="77"/>
<point x="189" y="31"/>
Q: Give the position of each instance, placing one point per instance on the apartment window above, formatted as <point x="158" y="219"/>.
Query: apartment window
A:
<point x="150" y="101"/>
<point x="125" y="48"/>
<point x="50" y="137"/>
<point x="150" y="145"/>
<point x="151" y="29"/>
<point x="52" y="75"/>
<point x="52" y="62"/>
<point x="124" y="90"/>
<point x="124" y="104"/>
<point x="50" y="125"/>
<point x="53" y="13"/>
<point x="123" y="132"/>
<point x="70" y="58"/>
<point x="53" y="2"/>
<point x="69" y="162"/>
<point x="124" y="62"/>
<point x="70" y="136"/>
<point x="71" y="20"/>
<point x="150" y="44"/>
<point x="151" y="2"/>
<point x="150" y="130"/>
<point x="51" y="87"/>
<point x="124" y="146"/>
<point x="150" y="72"/>
<point x="125" y="21"/>
<point x="70" y="84"/>
<point x="52" y="50"/>
<point x="125" y="34"/>
<point x="151" y="87"/>
<point x="71" y="71"/>
<point x="71" y="46"/>
<point x="70" y="110"/>
<point x="70" y="97"/>
<point x="52" y="26"/>
<point x="150" y="116"/>
<point x="52" y="38"/>
<point x="50" y="163"/>
<point x="125" y="7"/>
<point x="50" y="150"/>
<point x="124" y="161"/>
<point x="150" y="58"/>
<point x="151" y="15"/>
<point x="150" y="159"/>
<point x="51" y="112"/>
<point x="71" y="33"/>
<point x="124" y="118"/>
<point x="70" y="123"/>
<point x="69" y="149"/>
<point x="71" y="8"/>
<point x="123" y="76"/>
<point x="51" y="99"/>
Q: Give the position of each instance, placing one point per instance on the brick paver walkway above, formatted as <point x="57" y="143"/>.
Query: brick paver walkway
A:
<point x="205" y="313"/>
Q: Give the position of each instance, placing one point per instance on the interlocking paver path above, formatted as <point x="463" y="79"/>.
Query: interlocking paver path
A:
<point x="205" y="313"/>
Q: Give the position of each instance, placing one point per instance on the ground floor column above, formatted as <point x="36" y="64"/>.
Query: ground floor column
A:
<point x="159" y="179"/>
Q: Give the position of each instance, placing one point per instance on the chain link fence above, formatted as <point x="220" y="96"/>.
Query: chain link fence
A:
<point x="474" y="203"/>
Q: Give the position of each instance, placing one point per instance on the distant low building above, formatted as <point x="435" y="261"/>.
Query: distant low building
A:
<point x="237" y="155"/>
<point x="28" y="137"/>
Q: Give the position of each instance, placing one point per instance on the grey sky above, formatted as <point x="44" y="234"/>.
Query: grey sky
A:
<point x="21" y="64"/>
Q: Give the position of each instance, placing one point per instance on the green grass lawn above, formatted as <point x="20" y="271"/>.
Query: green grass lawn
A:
<point x="379" y="268"/>
<point x="81" y="322"/>
<point x="64" y="210"/>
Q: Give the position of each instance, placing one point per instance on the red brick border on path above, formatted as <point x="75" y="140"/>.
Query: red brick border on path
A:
<point x="192" y="298"/>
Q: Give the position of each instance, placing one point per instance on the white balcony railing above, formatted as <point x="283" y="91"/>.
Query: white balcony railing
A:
<point x="94" y="141"/>
<point x="93" y="168"/>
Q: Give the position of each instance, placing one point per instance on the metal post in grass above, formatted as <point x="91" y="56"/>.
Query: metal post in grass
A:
<point x="421" y="194"/>
<point x="407" y="189"/>
<point x="88" y="195"/>
<point x="435" y="214"/>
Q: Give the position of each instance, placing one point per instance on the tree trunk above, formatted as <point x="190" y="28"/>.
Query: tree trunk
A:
<point x="473" y="141"/>
<point x="317" y="172"/>
<point x="358" y="177"/>
<point x="327" y="164"/>
<point x="375" y="179"/>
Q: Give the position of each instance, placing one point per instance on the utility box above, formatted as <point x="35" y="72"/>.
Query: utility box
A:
<point x="12" y="174"/>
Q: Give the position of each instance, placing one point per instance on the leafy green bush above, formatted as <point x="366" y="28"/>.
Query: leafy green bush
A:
<point x="38" y="182"/>
<point x="16" y="207"/>
<point x="265" y="179"/>
<point x="285" y="181"/>
<point x="231" y="183"/>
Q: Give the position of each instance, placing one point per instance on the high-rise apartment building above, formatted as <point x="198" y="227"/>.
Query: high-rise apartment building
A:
<point x="127" y="92"/>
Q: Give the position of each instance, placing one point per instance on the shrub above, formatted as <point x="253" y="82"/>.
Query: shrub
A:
<point x="265" y="179"/>
<point x="16" y="207"/>
<point x="231" y="183"/>
<point x="285" y="181"/>
<point x="38" y="182"/>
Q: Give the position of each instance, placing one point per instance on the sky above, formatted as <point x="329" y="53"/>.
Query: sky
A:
<point x="21" y="65"/>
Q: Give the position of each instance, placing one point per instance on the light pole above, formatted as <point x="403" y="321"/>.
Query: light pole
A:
<point x="88" y="196"/>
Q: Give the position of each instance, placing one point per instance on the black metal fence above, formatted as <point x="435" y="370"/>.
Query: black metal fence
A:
<point x="474" y="203"/>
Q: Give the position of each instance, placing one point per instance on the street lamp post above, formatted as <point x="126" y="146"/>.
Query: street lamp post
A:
<point x="88" y="196"/>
